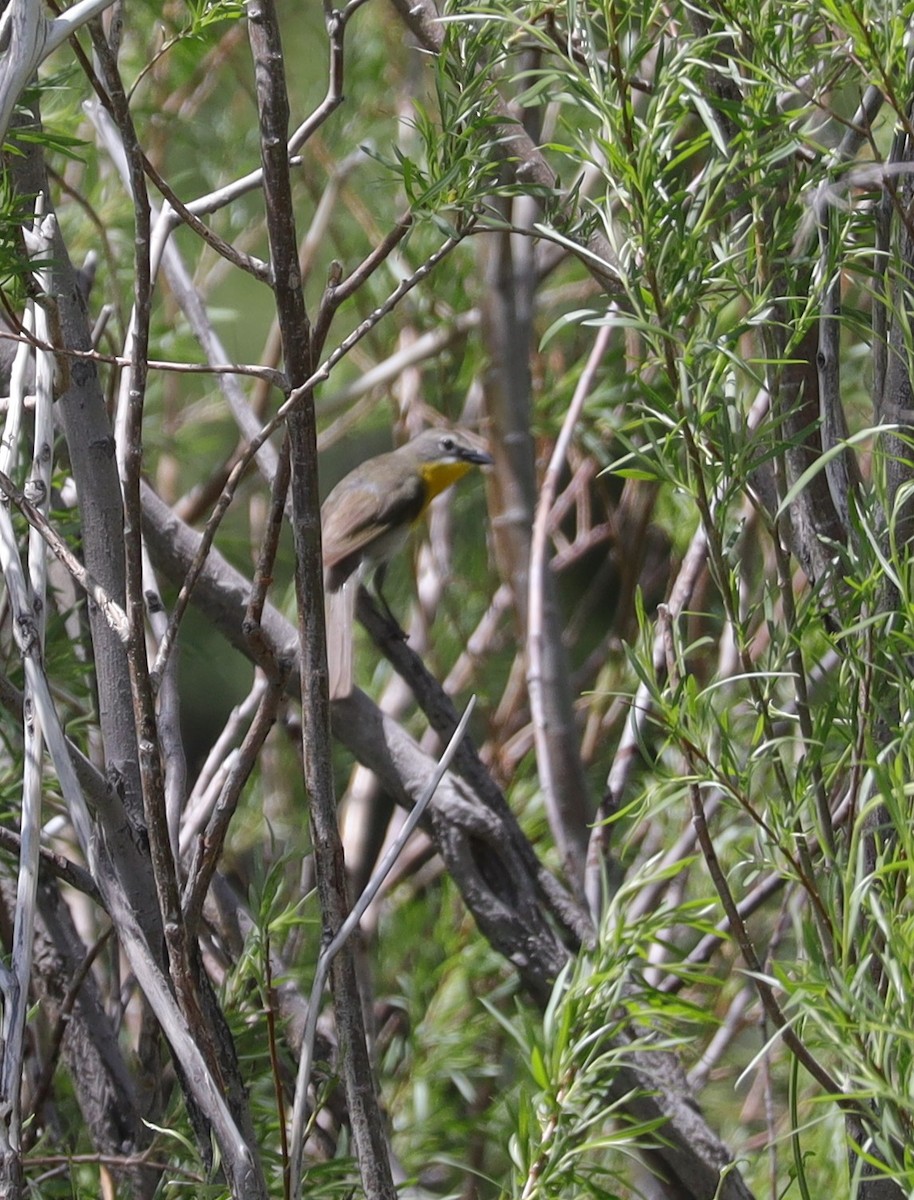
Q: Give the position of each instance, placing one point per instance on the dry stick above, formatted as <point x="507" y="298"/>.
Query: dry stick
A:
<point x="154" y="364"/>
<point x="300" y="348"/>
<point x="164" y="254"/>
<point x="42" y="1087"/>
<point x="111" y="610"/>
<point x="505" y="904"/>
<point x="650" y="895"/>
<point x="38" y="241"/>
<point x="212" y="776"/>
<point x="303" y="1083"/>
<point x="153" y="783"/>
<point x="51" y="864"/>
<point x="560" y="810"/>
<point x="209" y="845"/>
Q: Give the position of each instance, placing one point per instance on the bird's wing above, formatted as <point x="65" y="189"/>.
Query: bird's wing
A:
<point x="355" y="517"/>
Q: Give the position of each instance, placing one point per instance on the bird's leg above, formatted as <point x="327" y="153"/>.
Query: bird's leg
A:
<point x="377" y="587"/>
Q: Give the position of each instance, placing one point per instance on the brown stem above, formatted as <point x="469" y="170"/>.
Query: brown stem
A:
<point x="298" y="355"/>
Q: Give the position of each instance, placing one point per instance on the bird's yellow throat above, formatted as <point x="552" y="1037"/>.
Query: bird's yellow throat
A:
<point x="439" y="475"/>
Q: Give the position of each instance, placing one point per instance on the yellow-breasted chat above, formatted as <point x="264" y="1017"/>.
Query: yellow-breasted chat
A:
<point x="366" y="519"/>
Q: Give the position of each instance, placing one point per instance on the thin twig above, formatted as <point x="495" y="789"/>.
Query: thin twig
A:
<point x="211" y="779"/>
<point x="336" y="21"/>
<point x="209" y="845"/>
<point x="300" y="350"/>
<point x="563" y="810"/>
<point x="114" y="614"/>
<point x="241" y="1164"/>
<point x="277" y="378"/>
<point x="303" y="1083"/>
<point x="43" y="1085"/>
<point x="16" y="998"/>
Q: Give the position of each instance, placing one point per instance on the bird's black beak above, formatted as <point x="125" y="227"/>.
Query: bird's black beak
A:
<point x="479" y="457"/>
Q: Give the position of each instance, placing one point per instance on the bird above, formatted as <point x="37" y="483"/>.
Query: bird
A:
<point x="367" y="518"/>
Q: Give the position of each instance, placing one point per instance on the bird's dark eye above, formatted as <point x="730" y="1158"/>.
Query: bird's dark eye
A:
<point x="448" y="445"/>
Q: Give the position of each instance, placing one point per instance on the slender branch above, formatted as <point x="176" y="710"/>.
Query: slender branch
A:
<point x="210" y="844"/>
<point x="339" y="290"/>
<point x="336" y="21"/>
<point x="347" y="287"/>
<point x="299" y="353"/>
<point x="841" y="469"/>
<point x="130" y="453"/>
<point x="263" y="573"/>
<point x="303" y="1082"/>
<point x="442" y="716"/>
<point x="804" y="711"/>
<point x="211" y="780"/>
<point x="53" y="865"/>
<point x="553" y="739"/>
<point x="277" y="378"/>
<point x="426" y="346"/>
<point x="114" y="614"/>
<point x="182" y="214"/>
<point x="28" y="37"/>
<point x="38" y="242"/>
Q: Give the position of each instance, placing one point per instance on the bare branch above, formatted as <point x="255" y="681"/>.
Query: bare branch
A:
<point x="346" y="930"/>
<point x="114" y="614"/>
<point x="557" y="753"/>
<point x="28" y="37"/>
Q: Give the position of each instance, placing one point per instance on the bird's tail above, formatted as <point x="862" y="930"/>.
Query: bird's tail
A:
<point x="340" y="616"/>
